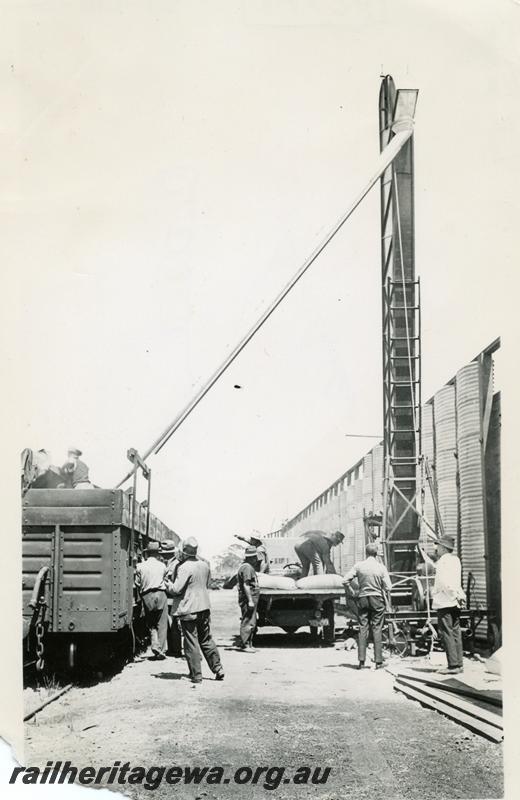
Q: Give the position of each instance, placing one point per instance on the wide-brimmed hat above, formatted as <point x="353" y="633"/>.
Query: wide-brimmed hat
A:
<point x="250" y="552"/>
<point x="75" y="451"/>
<point x="447" y="541"/>
<point x="152" y="547"/>
<point x="168" y="546"/>
<point x="190" y="546"/>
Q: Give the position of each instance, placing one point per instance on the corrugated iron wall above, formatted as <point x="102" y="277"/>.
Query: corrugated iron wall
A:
<point x="454" y="443"/>
<point x="471" y="477"/>
<point x="445" y="464"/>
<point x="428" y="442"/>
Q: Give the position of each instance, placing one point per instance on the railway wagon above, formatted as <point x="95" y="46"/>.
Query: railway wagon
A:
<point x="79" y="550"/>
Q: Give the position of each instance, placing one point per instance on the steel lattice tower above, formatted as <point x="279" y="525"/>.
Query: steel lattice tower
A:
<point x="401" y="338"/>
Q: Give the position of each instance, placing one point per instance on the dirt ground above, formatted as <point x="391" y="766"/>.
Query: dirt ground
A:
<point x="289" y="705"/>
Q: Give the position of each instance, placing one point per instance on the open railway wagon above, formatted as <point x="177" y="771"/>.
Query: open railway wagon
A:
<point x="79" y="549"/>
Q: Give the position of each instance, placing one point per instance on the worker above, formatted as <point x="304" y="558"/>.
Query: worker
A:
<point x="149" y="579"/>
<point x="248" y="594"/>
<point x="373" y="598"/>
<point x="447" y="599"/>
<point x="169" y="556"/>
<point x="262" y="558"/>
<point x="192" y="606"/>
<point x="314" y="548"/>
<point x="75" y="471"/>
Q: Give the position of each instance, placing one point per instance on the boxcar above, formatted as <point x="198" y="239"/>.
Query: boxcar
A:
<point x="79" y="550"/>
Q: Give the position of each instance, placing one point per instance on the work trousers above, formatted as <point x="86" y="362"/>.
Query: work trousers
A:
<point x="308" y="562"/>
<point x="371" y="616"/>
<point x="197" y="636"/>
<point x="174" y="638"/>
<point x="156" y="616"/>
<point x="248" y="621"/>
<point x="450" y="634"/>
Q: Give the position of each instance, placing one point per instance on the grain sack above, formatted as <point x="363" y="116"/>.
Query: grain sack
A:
<point x="276" y="582"/>
<point x="320" y="582"/>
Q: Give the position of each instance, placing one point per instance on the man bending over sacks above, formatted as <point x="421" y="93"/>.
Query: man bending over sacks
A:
<point x="313" y="550"/>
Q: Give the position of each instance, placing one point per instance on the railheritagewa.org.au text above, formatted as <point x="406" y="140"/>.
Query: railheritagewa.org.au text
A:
<point x="151" y="777"/>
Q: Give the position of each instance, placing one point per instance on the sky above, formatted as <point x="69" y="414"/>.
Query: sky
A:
<point x="166" y="167"/>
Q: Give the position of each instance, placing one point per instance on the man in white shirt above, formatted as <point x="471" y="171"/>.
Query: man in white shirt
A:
<point x="149" y="579"/>
<point x="447" y="598"/>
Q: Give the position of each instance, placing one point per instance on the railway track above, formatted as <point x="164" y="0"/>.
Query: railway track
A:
<point x="46" y="702"/>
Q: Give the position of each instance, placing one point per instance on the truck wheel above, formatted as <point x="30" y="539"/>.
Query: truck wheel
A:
<point x="329" y="631"/>
<point x="290" y="629"/>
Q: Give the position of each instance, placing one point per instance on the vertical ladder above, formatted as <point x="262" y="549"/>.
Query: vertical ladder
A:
<point x="401" y="341"/>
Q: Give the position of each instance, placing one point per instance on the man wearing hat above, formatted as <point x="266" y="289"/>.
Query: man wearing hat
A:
<point x="248" y="594"/>
<point x="174" y="636"/>
<point x="75" y="471"/>
<point x="150" y="581"/>
<point x="262" y="558"/>
<point x="191" y="602"/>
<point x="447" y="598"/>
<point x="313" y="550"/>
<point x="372" y="599"/>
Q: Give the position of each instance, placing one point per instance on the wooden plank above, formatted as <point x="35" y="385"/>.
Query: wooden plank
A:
<point x="264" y="592"/>
<point x="474" y="700"/>
<point x="492" y="717"/>
<point x="59" y="498"/>
<point x="477" y="726"/>
<point x="452" y="685"/>
<point x="88" y="515"/>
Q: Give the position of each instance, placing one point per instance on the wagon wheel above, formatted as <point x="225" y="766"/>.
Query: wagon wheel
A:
<point x="396" y="639"/>
<point x="494" y="636"/>
<point x="72" y="656"/>
<point x="418" y="595"/>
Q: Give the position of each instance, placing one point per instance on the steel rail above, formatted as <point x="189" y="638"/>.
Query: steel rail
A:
<point x="50" y="699"/>
<point x="385" y="158"/>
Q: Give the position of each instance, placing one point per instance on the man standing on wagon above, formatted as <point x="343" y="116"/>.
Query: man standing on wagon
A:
<point x="313" y="549"/>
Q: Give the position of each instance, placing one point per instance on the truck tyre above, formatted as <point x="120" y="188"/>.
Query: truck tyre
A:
<point x="328" y="630"/>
